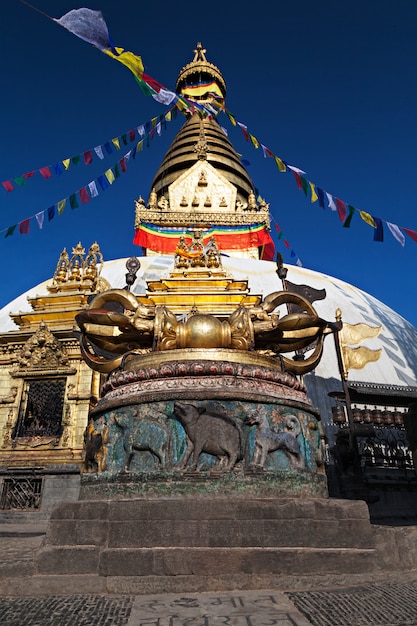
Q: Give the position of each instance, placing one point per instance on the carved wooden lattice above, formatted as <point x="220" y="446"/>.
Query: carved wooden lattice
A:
<point x="23" y="492"/>
<point x="41" y="410"/>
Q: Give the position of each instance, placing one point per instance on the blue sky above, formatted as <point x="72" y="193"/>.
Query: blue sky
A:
<point x="328" y="86"/>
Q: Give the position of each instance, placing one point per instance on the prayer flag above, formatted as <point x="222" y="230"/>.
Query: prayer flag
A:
<point x="73" y="201"/>
<point x="46" y="172"/>
<point x="129" y="59"/>
<point x="396" y="233"/>
<point x="76" y="159"/>
<point x="332" y="205"/>
<point x="231" y="118"/>
<point x="93" y="189"/>
<point x="280" y="164"/>
<point x="88" y="157"/>
<point x="346" y="223"/>
<point x="104" y="183"/>
<point x="141" y="130"/>
<point x="39" y="218"/>
<point x="88" y="25"/>
<point x="411" y="233"/>
<point x="108" y="147"/>
<point x="24" y="227"/>
<point x="254" y="141"/>
<point x="10" y="231"/>
<point x="123" y="165"/>
<point x="132" y="135"/>
<point x="99" y="152"/>
<point x="116" y="143"/>
<point x="28" y="174"/>
<point x="304" y="185"/>
<point x="298" y="180"/>
<point x="244" y="130"/>
<point x="109" y="175"/>
<point x="58" y="168"/>
<point x="164" y="96"/>
<point x="267" y="152"/>
<point x="286" y="244"/>
<point x="19" y="180"/>
<point x="116" y="171"/>
<point x="84" y="197"/>
<point x="314" y="196"/>
<point x="367" y="218"/>
<point x="66" y="163"/>
<point x="61" y="206"/>
<point x="320" y="194"/>
<point x="51" y="213"/>
<point x="341" y="209"/>
<point x="295" y="169"/>
<point x="379" y="229"/>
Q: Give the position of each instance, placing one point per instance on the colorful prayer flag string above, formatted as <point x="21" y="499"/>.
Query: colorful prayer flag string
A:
<point x="85" y="157"/>
<point x="86" y="193"/>
<point x="344" y="211"/>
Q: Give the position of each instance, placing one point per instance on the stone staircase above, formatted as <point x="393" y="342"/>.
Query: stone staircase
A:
<point x="176" y="544"/>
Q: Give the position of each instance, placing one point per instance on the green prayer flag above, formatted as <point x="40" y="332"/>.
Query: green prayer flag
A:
<point x="346" y="223"/>
<point x="10" y="231"/>
<point x="19" y="181"/>
<point x="304" y="184"/>
<point x="76" y="159"/>
<point x="73" y="201"/>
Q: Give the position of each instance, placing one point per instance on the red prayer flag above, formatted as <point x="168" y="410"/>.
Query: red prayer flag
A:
<point x="24" y="227"/>
<point x="84" y="197"/>
<point x="88" y="157"/>
<point x="277" y="228"/>
<point x="7" y="184"/>
<point x="286" y="244"/>
<point x="152" y="83"/>
<point x="411" y="233"/>
<point x="298" y="180"/>
<point x="341" y="209"/>
<point x="244" y="130"/>
<point x="28" y="175"/>
<point x="132" y="135"/>
<point x="123" y="165"/>
<point x="46" y="172"/>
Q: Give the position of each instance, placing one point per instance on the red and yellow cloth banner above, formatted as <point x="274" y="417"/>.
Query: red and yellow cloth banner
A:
<point x="165" y="240"/>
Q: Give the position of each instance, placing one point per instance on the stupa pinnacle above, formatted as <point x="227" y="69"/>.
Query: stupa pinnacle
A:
<point x="201" y="183"/>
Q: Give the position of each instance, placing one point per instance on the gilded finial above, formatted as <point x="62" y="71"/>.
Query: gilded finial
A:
<point x="199" y="53"/>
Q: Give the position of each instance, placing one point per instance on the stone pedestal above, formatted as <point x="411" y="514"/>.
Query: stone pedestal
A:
<point x="181" y="544"/>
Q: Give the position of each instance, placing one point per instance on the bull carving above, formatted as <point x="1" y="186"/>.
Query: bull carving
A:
<point x="213" y="434"/>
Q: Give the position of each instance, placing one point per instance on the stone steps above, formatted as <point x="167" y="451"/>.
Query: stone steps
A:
<point x="143" y="539"/>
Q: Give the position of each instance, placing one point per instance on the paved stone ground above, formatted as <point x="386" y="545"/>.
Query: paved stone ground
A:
<point x="381" y="603"/>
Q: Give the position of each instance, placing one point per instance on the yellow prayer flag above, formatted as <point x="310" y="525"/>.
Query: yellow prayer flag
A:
<point x="357" y="358"/>
<point x="109" y="175"/>
<point x="231" y="118"/>
<point x="61" y="206"/>
<point x="66" y="163"/>
<point x="116" y="143"/>
<point x="314" y="196"/>
<point x="367" y="218"/>
<point x="354" y="334"/>
<point x="254" y="141"/>
<point x="139" y="147"/>
<point x="280" y="164"/>
<point x="127" y="58"/>
<point x="154" y="121"/>
<point x="168" y="116"/>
